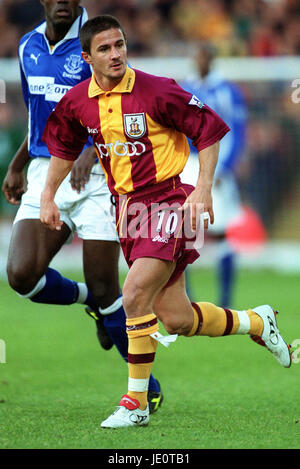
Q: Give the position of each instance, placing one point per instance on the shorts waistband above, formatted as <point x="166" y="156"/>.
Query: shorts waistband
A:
<point x="140" y="194"/>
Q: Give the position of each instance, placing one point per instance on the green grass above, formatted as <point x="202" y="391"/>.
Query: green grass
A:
<point x="57" y="384"/>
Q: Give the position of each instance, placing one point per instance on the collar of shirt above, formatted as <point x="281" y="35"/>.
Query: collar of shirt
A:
<point x="125" y="85"/>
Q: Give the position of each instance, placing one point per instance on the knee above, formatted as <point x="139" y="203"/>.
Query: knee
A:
<point x="175" y="324"/>
<point x="104" y="290"/>
<point x="134" y="300"/>
<point x="21" y="279"/>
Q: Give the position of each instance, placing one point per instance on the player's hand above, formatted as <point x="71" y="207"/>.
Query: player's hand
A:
<point x="199" y="202"/>
<point x="49" y="215"/>
<point x="14" y="186"/>
<point x="80" y="174"/>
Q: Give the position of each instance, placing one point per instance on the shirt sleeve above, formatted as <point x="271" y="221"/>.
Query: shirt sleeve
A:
<point x="23" y="77"/>
<point x="24" y="87"/>
<point x="183" y="111"/>
<point x="64" y="135"/>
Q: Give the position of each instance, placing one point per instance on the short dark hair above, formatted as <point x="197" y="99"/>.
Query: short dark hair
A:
<point x="97" y="25"/>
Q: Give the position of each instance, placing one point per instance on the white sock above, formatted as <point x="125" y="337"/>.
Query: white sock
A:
<point x="112" y="308"/>
<point x="82" y="293"/>
<point x="39" y="286"/>
<point x="244" y="319"/>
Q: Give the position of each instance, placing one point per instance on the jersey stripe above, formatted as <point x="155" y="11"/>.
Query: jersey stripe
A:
<point x="144" y="174"/>
<point x="111" y="119"/>
<point x="168" y="142"/>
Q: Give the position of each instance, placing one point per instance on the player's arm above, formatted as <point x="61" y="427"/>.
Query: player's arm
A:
<point x="57" y="171"/>
<point x="82" y="168"/>
<point x="200" y="200"/>
<point x="14" y="184"/>
<point x="186" y="113"/>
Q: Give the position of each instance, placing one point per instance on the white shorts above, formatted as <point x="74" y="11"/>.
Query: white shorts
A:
<point x="225" y="194"/>
<point x="90" y="213"/>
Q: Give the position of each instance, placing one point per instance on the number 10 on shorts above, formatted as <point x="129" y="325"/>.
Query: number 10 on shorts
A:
<point x="169" y="221"/>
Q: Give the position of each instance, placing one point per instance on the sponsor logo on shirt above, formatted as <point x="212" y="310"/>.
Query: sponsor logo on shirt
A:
<point x="135" y="125"/>
<point x="46" y="86"/>
<point x="55" y="92"/>
<point x="120" y="149"/>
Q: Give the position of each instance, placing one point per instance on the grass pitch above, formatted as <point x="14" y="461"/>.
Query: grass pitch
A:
<point x="57" y="384"/>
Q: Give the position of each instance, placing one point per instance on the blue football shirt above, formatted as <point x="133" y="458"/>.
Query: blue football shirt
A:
<point x="47" y="73"/>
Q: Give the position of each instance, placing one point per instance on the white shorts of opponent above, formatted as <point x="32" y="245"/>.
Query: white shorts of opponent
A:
<point x="225" y="193"/>
<point x="90" y="213"/>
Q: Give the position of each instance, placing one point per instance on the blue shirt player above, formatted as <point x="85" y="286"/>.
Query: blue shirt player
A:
<point x="228" y="101"/>
<point x="51" y="63"/>
<point x="47" y="73"/>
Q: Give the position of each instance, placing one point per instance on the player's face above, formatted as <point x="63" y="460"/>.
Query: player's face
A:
<point x="108" y="57"/>
<point x="61" y="12"/>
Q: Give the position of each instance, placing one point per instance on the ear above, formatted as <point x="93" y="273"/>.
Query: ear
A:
<point x="86" y="57"/>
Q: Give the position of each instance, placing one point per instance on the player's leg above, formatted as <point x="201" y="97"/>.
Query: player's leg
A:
<point x="225" y="270"/>
<point x="94" y="219"/>
<point x="227" y="206"/>
<point x="143" y="293"/>
<point x="32" y="247"/>
<point x="100" y="260"/>
<point x="145" y="279"/>
<point x="174" y="309"/>
<point x="100" y="266"/>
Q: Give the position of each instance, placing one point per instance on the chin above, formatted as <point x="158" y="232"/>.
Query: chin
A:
<point x="63" y="21"/>
<point x="120" y="73"/>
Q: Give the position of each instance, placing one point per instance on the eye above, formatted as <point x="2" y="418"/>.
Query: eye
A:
<point x="103" y="48"/>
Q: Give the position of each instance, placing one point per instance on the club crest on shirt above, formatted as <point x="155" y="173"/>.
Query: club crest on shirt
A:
<point x="135" y="125"/>
<point x="73" y="64"/>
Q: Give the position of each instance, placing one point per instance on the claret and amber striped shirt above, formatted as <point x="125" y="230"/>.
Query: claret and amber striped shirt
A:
<point x="139" y="128"/>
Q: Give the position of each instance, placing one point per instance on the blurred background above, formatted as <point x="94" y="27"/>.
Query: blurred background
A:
<point x="258" y="47"/>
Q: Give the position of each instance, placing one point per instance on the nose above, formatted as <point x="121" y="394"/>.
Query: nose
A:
<point x="114" y="53"/>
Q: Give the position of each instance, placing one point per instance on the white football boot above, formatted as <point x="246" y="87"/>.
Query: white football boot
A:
<point x="127" y="414"/>
<point x="271" y="337"/>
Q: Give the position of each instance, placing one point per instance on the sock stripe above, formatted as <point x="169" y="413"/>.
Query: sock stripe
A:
<point x="144" y="325"/>
<point x="200" y="317"/>
<point x="138" y="358"/>
<point x="229" y="321"/>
